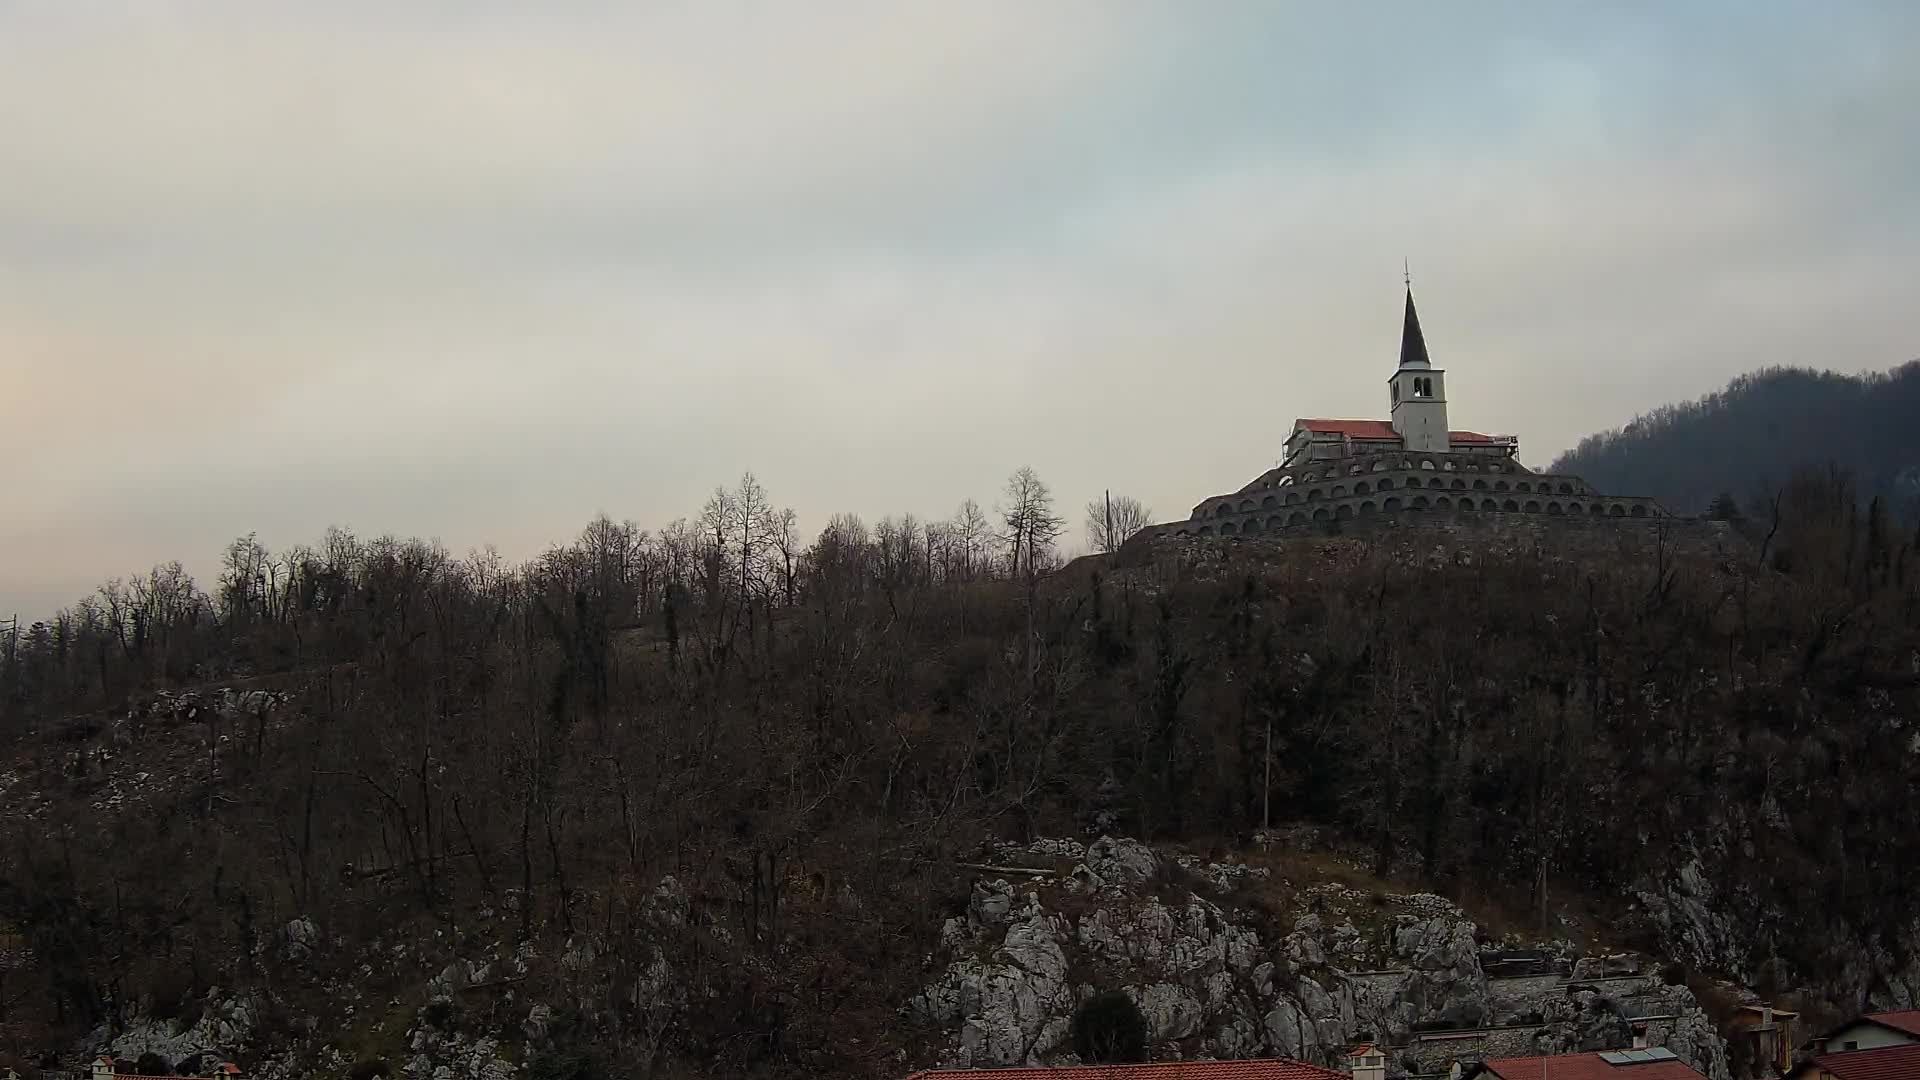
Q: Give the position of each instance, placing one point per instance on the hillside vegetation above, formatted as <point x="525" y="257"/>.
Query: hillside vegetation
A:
<point x="807" y="737"/>
<point x="1748" y="439"/>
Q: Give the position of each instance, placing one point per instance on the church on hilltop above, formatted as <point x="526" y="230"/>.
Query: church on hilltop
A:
<point x="1413" y="463"/>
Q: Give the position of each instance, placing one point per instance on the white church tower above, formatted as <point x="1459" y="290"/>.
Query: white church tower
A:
<point x="1419" y="391"/>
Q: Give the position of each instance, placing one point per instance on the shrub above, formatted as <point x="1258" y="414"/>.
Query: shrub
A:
<point x="152" y="1064"/>
<point x="564" y="1065"/>
<point x="368" y="1069"/>
<point x="1110" y="1029"/>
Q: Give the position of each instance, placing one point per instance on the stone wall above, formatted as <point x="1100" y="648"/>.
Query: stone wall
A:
<point x="1323" y="495"/>
<point x="1471" y="530"/>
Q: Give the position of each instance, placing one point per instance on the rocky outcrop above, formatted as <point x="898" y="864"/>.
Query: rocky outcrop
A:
<point x="1213" y="981"/>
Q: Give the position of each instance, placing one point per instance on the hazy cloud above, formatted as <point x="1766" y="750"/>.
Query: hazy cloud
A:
<point x="479" y="271"/>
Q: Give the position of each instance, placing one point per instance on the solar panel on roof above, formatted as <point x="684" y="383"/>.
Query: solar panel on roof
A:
<point x="1638" y="1057"/>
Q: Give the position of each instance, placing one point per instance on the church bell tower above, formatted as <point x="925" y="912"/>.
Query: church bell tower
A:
<point x="1419" y="391"/>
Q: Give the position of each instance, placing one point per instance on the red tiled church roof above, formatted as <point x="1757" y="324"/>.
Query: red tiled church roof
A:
<point x="1261" y="1069"/>
<point x="1376" y="429"/>
<point x="1352" y="429"/>
<point x="1884" y="1063"/>
<point x="1587" y="1067"/>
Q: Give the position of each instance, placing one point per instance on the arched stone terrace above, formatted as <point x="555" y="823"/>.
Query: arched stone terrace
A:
<point x="1314" y="494"/>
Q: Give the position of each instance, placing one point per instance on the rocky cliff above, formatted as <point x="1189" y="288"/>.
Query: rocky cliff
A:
<point x="1219" y="972"/>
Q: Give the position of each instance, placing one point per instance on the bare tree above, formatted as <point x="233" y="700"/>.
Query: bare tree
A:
<point x="1113" y="519"/>
<point x="1031" y="525"/>
<point x="971" y="533"/>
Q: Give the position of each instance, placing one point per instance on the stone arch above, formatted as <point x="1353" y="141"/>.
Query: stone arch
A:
<point x="1617" y="510"/>
<point x="1339" y="491"/>
<point x="1321" y="514"/>
<point x="1296" y="518"/>
<point x="1555" y="509"/>
<point x="1284" y="481"/>
<point x="1419" y="502"/>
<point x="1443" y="503"/>
<point x="1479" y="485"/>
<point x="1448" y="465"/>
<point x="1510" y="506"/>
<point x="1343" y="511"/>
<point x="1315" y="494"/>
<point x="1436" y="482"/>
<point x="1489" y="504"/>
<point x="1367" y="508"/>
<point x="1380" y="466"/>
<point x="1246" y="505"/>
<point x="1523" y="486"/>
<point x="1227" y="529"/>
<point x="1360" y="488"/>
<point x="1290" y="498"/>
<point x="1390" y="505"/>
<point x="1406" y="463"/>
<point x="1575" y="508"/>
<point x="1356" y="470"/>
<point x="1426" y="463"/>
<point x="1499" y="485"/>
<point x="1597" y="510"/>
<point x="1386" y="483"/>
<point x="1206" y="530"/>
<point x="1533" y="506"/>
<point x="1269" y="503"/>
<point x="1459" y="484"/>
<point x="1639" y="510"/>
<point x="1223" y="510"/>
<point x="1566" y="488"/>
<point x="1274" y="523"/>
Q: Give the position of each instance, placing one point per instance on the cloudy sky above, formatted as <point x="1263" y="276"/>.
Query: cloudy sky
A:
<point x="480" y="270"/>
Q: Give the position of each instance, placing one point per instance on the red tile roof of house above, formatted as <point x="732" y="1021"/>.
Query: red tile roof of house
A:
<point x="1907" y="1020"/>
<point x="1883" y="1063"/>
<point x="1259" y="1069"/>
<point x="1587" y="1067"/>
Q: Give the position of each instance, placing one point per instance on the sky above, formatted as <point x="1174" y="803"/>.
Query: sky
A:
<point x="479" y="271"/>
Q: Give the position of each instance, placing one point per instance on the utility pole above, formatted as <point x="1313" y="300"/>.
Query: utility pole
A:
<point x="1109" y="537"/>
<point x="1266" y="784"/>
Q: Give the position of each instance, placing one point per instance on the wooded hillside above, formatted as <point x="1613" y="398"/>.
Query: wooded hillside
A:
<point x="807" y="736"/>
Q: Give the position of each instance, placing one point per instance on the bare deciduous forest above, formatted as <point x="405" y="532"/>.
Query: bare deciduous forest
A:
<point x="1747" y="440"/>
<point x="807" y="735"/>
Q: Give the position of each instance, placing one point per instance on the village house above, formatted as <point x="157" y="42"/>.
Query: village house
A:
<point x="1872" y="1031"/>
<point x="1761" y="1039"/>
<point x="1250" y="1069"/>
<point x="1899" y="1062"/>
<point x="106" y="1068"/>
<point x="1655" y="1063"/>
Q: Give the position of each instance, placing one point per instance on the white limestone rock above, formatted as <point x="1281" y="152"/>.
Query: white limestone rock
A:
<point x="1123" y="862"/>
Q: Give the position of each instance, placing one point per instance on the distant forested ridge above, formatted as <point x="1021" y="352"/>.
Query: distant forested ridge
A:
<point x="1747" y="439"/>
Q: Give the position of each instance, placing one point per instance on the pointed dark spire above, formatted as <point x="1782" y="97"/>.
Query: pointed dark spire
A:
<point x="1413" y="344"/>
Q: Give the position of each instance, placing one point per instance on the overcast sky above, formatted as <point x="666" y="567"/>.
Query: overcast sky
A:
<point x="478" y="271"/>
